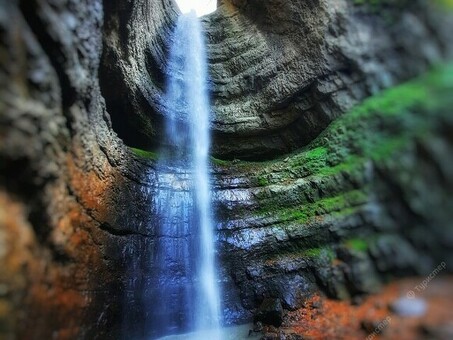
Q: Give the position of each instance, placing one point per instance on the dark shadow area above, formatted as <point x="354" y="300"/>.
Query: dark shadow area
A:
<point x="133" y="117"/>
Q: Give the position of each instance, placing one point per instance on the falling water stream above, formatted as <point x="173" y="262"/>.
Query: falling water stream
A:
<point x="188" y="297"/>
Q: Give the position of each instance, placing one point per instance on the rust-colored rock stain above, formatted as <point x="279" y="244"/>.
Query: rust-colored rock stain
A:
<point x="323" y="318"/>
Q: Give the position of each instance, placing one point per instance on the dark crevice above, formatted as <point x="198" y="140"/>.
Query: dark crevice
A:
<point x="59" y="255"/>
<point x="156" y="70"/>
<point x="122" y="232"/>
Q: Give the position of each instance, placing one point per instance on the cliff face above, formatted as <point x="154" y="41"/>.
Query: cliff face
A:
<point x="366" y="201"/>
<point x="81" y="79"/>
<point x="281" y="71"/>
<point x="56" y="180"/>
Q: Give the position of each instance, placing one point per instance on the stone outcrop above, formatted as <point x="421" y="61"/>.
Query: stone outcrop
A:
<point x="76" y="218"/>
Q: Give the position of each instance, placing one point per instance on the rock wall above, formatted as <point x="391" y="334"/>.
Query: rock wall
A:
<point x="281" y="71"/>
<point x="365" y="202"/>
<point x="79" y="79"/>
<point x="59" y="163"/>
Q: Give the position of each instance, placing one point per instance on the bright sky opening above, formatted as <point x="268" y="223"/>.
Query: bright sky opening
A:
<point x="201" y="7"/>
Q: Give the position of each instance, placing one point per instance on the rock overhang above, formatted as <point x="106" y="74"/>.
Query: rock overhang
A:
<point x="280" y="71"/>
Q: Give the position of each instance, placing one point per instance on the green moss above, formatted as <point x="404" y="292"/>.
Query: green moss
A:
<point x="263" y="181"/>
<point x="318" y="253"/>
<point x="373" y="130"/>
<point x="380" y="130"/>
<point x="149" y="155"/>
<point x="357" y="244"/>
<point x="314" y="158"/>
<point x="447" y="4"/>
<point x="313" y="252"/>
<point x="387" y="122"/>
<point x="385" y="149"/>
<point x="349" y="165"/>
<point x="220" y="162"/>
<point x="345" y="212"/>
<point x="338" y="204"/>
<point x="316" y="154"/>
<point x="393" y="101"/>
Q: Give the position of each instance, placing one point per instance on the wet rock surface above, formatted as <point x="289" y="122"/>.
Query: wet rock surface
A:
<point x="77" y="227"/>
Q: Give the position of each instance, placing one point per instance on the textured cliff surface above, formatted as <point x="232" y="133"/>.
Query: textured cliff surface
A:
<point x="352" y="207"/>
<point x="368" y="200"/>
<point x="58" y="177"/>
<point x="281" y="71"/>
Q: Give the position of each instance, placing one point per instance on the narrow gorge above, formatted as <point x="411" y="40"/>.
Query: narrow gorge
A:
<point x="328" y="180"/>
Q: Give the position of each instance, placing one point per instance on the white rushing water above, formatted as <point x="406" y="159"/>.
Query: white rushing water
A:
<point x="188" y="142"/>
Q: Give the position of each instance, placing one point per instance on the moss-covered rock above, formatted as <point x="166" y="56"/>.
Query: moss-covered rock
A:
<point x="371" y="188"/>
<point x="143" y="154"/>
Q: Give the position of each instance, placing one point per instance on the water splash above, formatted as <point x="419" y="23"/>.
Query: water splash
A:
<point x="184" y="255"/>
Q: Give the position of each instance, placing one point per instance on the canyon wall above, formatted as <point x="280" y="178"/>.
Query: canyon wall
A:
<point x="297" y="212"/>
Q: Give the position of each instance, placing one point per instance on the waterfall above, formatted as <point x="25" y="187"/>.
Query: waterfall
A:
<point x="188" y="297"/>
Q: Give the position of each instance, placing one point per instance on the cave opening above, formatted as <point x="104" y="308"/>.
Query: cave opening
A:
<point x="201" y="7"/>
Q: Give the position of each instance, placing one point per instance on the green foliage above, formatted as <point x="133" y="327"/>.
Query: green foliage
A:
<point x="148" y="155"/>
